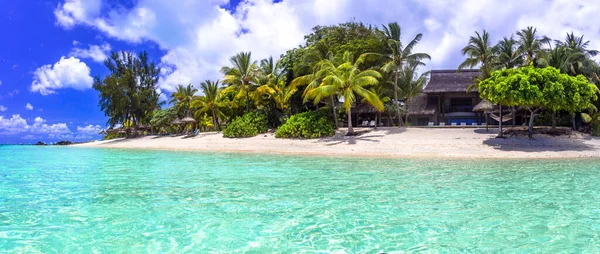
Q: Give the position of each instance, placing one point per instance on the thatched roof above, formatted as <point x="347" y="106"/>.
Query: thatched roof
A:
<point x="176" y="121"/>
<point x="188" y="120"/>
<point x="450" y="81"/>
<point x="484" y="106"/>
<point x="418" y="106"/>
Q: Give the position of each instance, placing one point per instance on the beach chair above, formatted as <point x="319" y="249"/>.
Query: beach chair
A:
<point x="372" y="124"/>
<point x="442" y="124"/>
<point x="463" y="124"/>
<point x="365" y="124"/>
<point x="453" y="124"/>
<point x="473" y="124"/>
<point x="430" y="124"/>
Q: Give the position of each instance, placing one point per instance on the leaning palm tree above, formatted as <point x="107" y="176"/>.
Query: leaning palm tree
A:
<point x="209" y="102"/>
<point x="411" y="84"/>
<point x="241" y="77"/>
<point x="399" y="55"/>
<point x="182" y="98"/>
<point x="346" y="80"/>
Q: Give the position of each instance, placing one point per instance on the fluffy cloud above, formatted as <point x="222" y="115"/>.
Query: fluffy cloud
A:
<point x="14" y="125"/>
<point x="89" y="130"/>
<point x="28" y="106"/>
<point x="41" y="130"/>
<point x="3" y="108"/>
<point x="200" y="36"/>
<point x="66" y="73"/>
<point x="98" y="53"/>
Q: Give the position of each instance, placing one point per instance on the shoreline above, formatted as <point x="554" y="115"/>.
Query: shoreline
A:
<point x="393" y="142"/>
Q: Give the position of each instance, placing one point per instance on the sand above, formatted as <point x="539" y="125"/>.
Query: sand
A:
<point x="390" y="142"/>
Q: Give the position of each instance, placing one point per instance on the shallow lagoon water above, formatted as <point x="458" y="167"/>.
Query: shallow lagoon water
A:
<point x="73" y="200"/>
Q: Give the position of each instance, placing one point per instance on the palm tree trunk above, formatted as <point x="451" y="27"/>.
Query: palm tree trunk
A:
<point x="350" y="129"/>
<point x="334" y="112"/>
<point x="500" y="135"/>
<point x="406" y="108"/>
<point x="214" y="120"/>
<point x="396" y="98"/>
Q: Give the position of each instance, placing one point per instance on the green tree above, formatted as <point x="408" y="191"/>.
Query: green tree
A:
<point x="348" y="81"/>
<point x="182" y="98"/>
<point x="209" y="102"/>
<point x="398" y="55"/>
<point x="411" y="84"/>
<point x="537" y="89"/>
<point x="241" y="77"/>
<point x="129" y="93"/>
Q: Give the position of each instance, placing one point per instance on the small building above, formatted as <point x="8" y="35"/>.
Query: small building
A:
<point x="445" y="99"/>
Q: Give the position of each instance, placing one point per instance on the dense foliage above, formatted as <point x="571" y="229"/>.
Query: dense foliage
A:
<point x="129" y="92"/>
<point x="248" y="125"/>
<point x="311" y="124"/>
<point x="538" y="88"/>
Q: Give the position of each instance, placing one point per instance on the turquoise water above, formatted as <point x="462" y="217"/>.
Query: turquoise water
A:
<point x="73" y="200"/>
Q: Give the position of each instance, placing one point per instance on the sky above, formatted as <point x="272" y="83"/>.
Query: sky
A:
<point x="50" y="50"/>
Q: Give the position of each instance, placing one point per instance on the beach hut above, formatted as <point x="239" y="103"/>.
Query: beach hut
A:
<point x="485" y="107"/>
<point x="187" y="120"/>
<point x="176" y="122"/>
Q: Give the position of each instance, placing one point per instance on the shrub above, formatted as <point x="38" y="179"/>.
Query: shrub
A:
<point x="249" y="125"/>
<point x="312" y="124"/>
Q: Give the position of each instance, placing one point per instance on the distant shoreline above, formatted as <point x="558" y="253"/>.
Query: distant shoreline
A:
<point x="467" y="143"/>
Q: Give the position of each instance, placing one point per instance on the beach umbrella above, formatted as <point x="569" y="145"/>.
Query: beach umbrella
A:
<point x="188" y="120"/>
<point x="176" y="121"/>
<point x="103" y="132"/>
<point x="484" y="106"/>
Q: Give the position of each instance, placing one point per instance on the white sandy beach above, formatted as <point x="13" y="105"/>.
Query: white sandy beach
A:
<point x="383" y="142"/>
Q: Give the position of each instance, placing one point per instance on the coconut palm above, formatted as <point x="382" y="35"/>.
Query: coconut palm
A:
<point x="209" y="102"/>
<point x="399" y="55"/>
<point x="241" y="77"/>
<point x="346" y="80"/>
<point x="411" y="84"/>
<point x="530" y="45"/>
<point x="182" y="97"/>
<point x="507" y="54"/>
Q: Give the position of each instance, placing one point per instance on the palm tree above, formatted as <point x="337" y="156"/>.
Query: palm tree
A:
<point x="507" y="54"/>
<point x="182" y="97"/>
<point x="209" y="102"/>
<point x="399" y="55"/>
<point x="411" y="84"/>
<point x="529" y="44"/>
<point x="241" y="77"/>
<point x="346" y="80"/>
<point x="479" y="52"/>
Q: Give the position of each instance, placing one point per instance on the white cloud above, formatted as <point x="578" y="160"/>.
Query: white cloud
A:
<point x="66" y="73"/>
<point x="14" y="125"/>
<point x="28" y="106"/>
<point x="3" y="108"/>
<point x="200" y="36"/>
<point x="98" y="53"/>
<point x="89" y="130"/>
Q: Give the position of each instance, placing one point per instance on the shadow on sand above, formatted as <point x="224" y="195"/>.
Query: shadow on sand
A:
<point x="539" y="144"/>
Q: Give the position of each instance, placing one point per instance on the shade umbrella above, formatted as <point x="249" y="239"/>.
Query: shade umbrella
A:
<point x="176" y="121"/>
<point x="484" y="106"/>
<point x="187" y="120"/>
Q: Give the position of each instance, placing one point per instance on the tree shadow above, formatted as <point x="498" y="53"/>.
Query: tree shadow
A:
<point x="350" y="140"/>
<point x="538" y="144"/>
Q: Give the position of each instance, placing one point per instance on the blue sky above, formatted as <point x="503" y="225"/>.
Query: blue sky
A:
<point x="50" y="50"/>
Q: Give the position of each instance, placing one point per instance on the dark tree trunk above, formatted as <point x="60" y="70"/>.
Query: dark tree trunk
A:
<point x="500" y="135"/>
<point x="487" y="122"/>
<point x="553" y="119"/>
<point x="514" y="116"/>
<point x="573" y="121"/>
<point x="247" y="101"/>
<point x="530" y="127"/>
<point x="350" y="129"/>
<point x="335" y="120"/>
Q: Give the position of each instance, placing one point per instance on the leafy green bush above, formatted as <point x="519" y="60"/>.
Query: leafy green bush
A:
<point x="249" y="125"/>
<point x="311" y="124"/>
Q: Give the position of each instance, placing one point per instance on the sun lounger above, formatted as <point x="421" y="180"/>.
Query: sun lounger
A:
<point x="442" y="124"/>
<point x="473" y="124"/>
<point x="430" y="124"/>
<point x="463" y="124"/>
<point x="453" y="124"/>
<point x="372" y="124"/>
